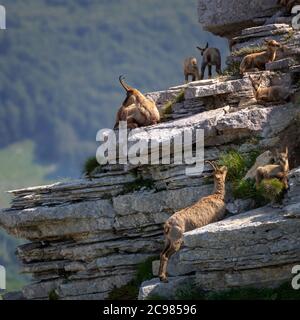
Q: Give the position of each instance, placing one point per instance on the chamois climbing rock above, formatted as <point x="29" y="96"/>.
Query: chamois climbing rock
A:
<point x="207" y="210"/>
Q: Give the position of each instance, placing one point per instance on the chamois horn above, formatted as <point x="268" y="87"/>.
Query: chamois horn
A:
<point x="212" y="164"/>
<point x="124" y="85"/>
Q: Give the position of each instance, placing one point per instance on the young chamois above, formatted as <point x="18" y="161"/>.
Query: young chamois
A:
<point x="288" y="4"/>
<point x="207" y="210"/>
<point x="259" y="60"/>
<point x="211" y="57"/>
<point x="278" y="170"/>
<point x="137" y="110"/>
<point x="190" y="68"/>
<point x="269" y="94"/>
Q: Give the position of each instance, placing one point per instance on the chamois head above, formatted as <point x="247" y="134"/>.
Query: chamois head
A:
<point x="202" y="50"/>
<point x="256" y="83"/>
<point x="272" y="44"/>
<point x="220" y="174"/>
<point x="282" y="157"/>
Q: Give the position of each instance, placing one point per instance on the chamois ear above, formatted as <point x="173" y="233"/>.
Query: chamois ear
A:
<point x="199" y="48"/>
<point x="286" y="150"/>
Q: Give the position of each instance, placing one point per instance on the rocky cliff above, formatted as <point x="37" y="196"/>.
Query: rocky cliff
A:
<point x="87" y="237"/>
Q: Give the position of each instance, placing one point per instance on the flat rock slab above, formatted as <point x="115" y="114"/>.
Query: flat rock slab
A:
<point x="155" y="288"/>
<point x="228" y="18"/>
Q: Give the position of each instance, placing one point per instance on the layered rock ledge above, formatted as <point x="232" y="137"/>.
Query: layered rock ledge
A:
<point x="87" y="237"/>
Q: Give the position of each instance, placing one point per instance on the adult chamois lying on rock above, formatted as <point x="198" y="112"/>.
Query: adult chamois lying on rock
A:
<point x="258" y="61"/>
<point x="137" y="110"/>
<point x="278" y="170"/>
<point x="190" y="68"/>
<point x="207" y="210"/>
<point x="269" y="94"/>
<point x="211" y="57"/>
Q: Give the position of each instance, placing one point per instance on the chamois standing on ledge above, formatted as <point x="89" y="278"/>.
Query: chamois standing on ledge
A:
<point x="211" y="57"/>
<point x="269" y="94"/>
<point x="207" y="210"/>
<point x="279" y="170"/>
<point x="259" y="60"/>
<point x="137" y="110"/>
<point x="288" y="4"/>
<point x="191" y="69"/>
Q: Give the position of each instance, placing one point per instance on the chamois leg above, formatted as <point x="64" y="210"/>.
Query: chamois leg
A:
<point x="174" y="236"/>
<point x="194" y="78"/>
<point x="203" y="67"/>
<point x="218" y="70"/>
<point x="209" y="71"/>
<point x="132" y="124"/>
<point x="163" y="261"/>
<point x="186" y="78"/>
<point x="173" y="248"/>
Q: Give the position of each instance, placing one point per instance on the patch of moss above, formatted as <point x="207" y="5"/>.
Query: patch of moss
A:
<point x="233" y="69"/>
<point x="180" y="97"/>
<point x="168" y="106"/>
<point x="52" y="295"/>
<point x="131" y="290"/>
<point x="289" y="35"/>
<point x="90" y="165"/>
<point x="138" y="184"/>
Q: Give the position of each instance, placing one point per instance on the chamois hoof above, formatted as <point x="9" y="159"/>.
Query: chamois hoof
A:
<point x="163" y="279"/>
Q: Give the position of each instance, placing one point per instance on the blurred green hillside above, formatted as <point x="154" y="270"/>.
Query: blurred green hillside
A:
<point x="18" y="169"/>
<point x="60" y="61"/>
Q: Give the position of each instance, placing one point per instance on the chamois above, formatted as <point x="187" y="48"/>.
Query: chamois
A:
<point x="207" y="210"/>
<point x="279" y="170"/>
<point x="269" y="94"/>
<point x="211" y="57"/>
<point x="137" y="110"/>
<point x="288" y="4"/>
<point x="191" y="69"/>
<point x="259" y="60"/>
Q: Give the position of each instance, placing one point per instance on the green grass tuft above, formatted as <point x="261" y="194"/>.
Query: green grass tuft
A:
<point x="53" y="295"/>
<point x="235" y="163"/>
<point x="271" y="189"/>
<point x="248" y="50"/>
<point x="233" y="69"/>
<point x="138" y="184"/>
<point x="90" y="165"/>
<point x="244" y="189"/>
<point x="181" y="97"/>
<point x="168" y="106"/>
